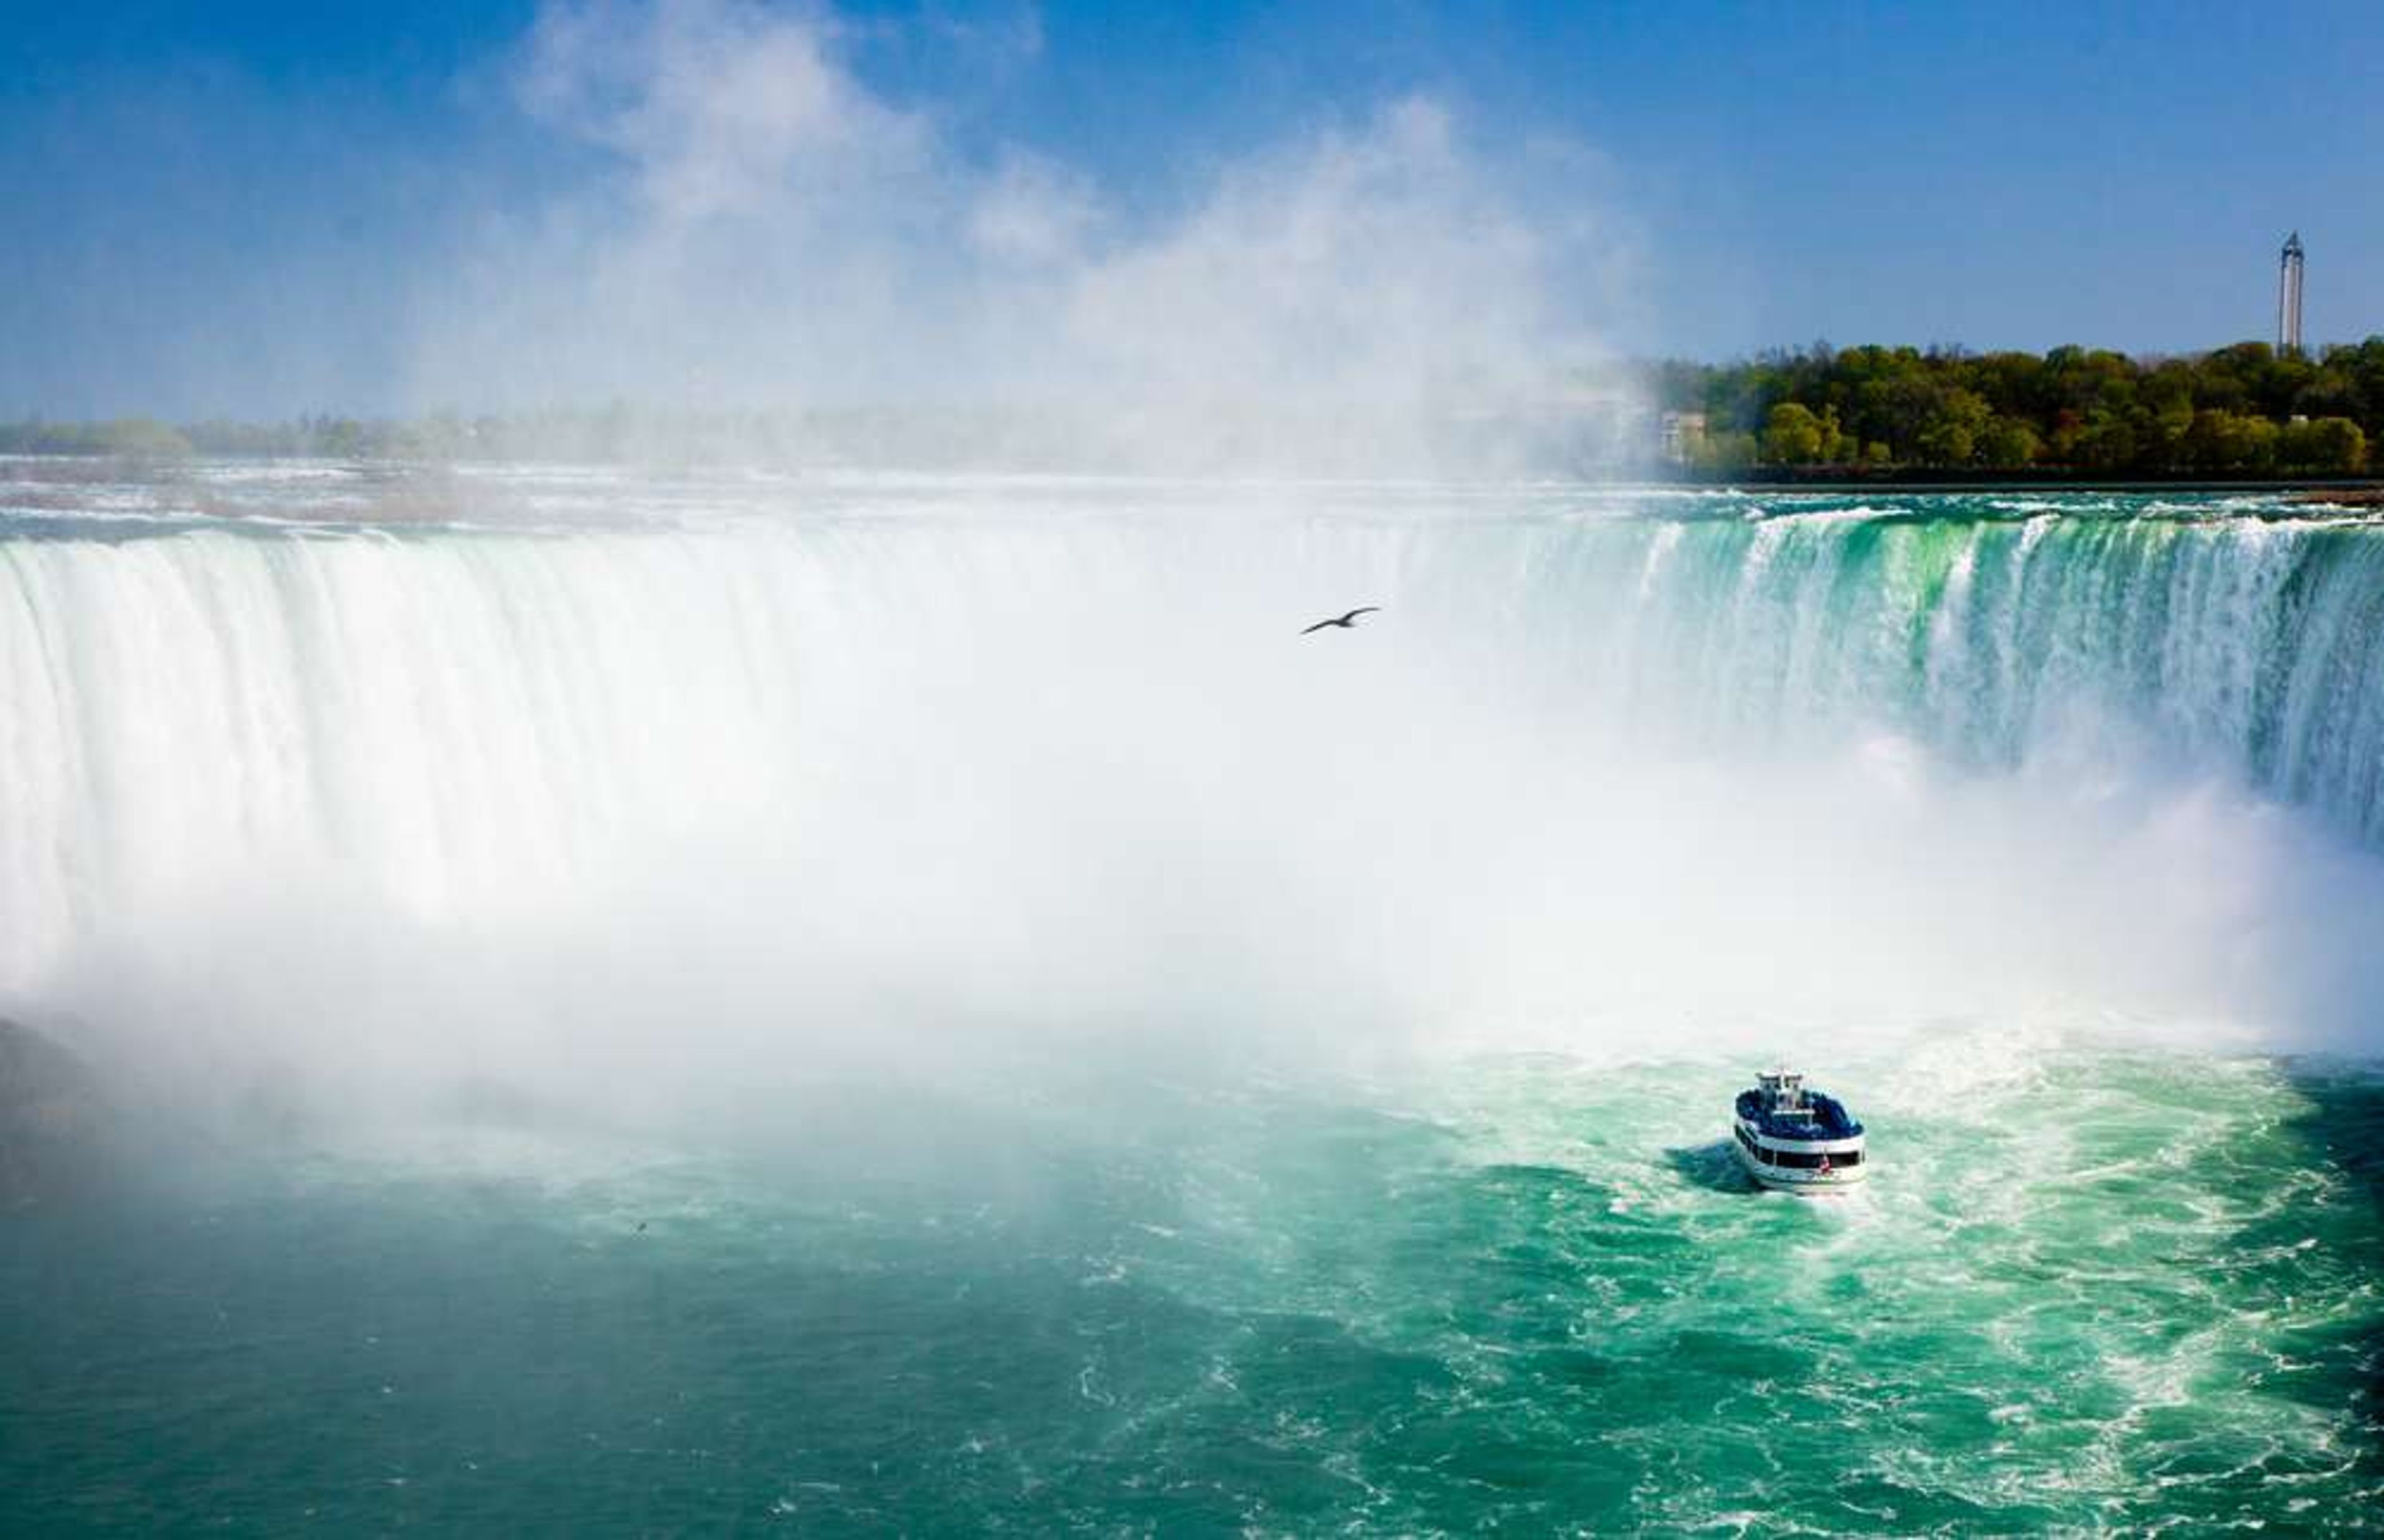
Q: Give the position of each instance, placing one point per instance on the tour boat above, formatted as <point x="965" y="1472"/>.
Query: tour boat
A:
<point x="1792" y="1140"/>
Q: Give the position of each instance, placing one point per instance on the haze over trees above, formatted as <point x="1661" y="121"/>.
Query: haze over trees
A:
<point x="2239" y="411"/>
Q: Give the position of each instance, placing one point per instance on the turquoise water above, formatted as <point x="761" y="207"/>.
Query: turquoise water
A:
<point x="2087" y="1290"/>
<point x="851" y="1004"/>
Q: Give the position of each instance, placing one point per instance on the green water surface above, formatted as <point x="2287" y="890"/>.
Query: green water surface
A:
<point x="2088" y="1291"/>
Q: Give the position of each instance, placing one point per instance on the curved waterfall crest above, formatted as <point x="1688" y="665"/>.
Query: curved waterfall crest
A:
<point x="472" y="718"/>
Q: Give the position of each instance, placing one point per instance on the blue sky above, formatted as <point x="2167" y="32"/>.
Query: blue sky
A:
<point x="265" y="208"/>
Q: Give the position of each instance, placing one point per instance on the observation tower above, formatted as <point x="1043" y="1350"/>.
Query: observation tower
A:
<point x="2289" y="295"/>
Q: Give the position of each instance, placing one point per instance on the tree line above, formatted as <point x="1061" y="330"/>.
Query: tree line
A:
<point x="440" y="436"/>
<point x="2247" y="410"/>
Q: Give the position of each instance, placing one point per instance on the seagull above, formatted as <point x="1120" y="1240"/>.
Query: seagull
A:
<point x="1348" y="622"/>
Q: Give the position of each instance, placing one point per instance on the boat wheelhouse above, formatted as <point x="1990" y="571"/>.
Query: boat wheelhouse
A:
<point x="1791" y="1138"/>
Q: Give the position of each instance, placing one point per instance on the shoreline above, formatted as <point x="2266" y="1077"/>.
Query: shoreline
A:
<point x="2360" y="491"/>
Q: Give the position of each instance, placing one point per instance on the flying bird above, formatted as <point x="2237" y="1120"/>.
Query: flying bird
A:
<point x="1348" y="622"/>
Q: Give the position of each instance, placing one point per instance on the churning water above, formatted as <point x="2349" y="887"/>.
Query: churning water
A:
<point x="894" y="1003"/>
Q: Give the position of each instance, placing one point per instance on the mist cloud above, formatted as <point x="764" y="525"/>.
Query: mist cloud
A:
<point x="713" y="108"/>
<point x="757" y="226"/>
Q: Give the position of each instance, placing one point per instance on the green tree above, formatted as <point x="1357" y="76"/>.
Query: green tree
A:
<point x="1950" y="435"/>
<point x="1838" y="446"/>
<point x="2106" y="443"/>
<point x="2009" y="444"/>
<point x="2229" y="444"/>
<point x="1725" y="452"/>
<point x="2330" y="446"/>
<point x="140" y="438"/>
<point x="1793" y="436"/>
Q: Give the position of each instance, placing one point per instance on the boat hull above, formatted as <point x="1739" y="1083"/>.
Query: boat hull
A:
<point x="1811" y="1183"/>
<point x="1774" y="1174"/>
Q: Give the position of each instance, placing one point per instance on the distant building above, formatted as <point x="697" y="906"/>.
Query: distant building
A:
<point x="2289" y="295"/>
<point x="1681" y="432"/>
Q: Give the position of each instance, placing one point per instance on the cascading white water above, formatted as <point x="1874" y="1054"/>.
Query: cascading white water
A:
<point x="2237" y="645"/>
<point x="1066" y="747"/>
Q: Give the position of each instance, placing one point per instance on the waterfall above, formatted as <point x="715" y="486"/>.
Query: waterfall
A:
<point x="2246" y="647"/>
<point x="471" y="725"/>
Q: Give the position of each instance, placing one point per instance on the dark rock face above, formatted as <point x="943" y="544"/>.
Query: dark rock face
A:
<point x="53" y="1120"/>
